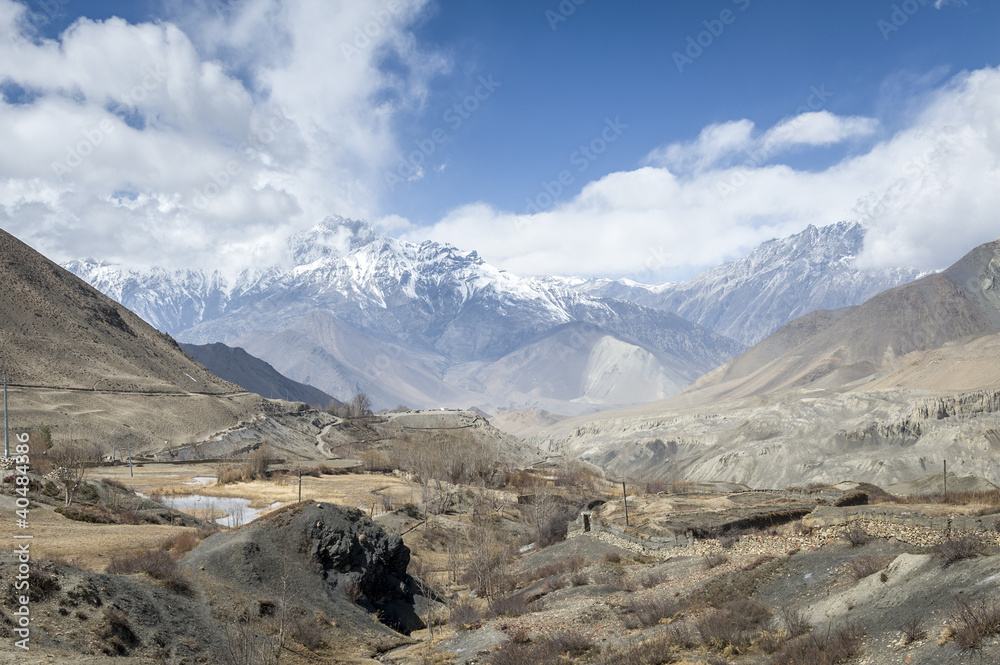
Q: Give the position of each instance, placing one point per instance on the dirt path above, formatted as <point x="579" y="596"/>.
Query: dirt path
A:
<point x="321" y="445"/>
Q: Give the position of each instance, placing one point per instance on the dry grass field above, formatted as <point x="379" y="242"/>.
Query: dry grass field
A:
<point x="80" y="544"/>
<point x="356" y="490"/>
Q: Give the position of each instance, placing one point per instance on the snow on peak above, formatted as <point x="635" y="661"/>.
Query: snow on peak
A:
<point x="334" y="237"/>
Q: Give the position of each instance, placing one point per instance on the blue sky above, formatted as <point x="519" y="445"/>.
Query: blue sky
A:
<point x="625" y="139"/>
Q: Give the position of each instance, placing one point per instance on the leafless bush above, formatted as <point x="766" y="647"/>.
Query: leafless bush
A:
<point x="307" y="629"/>
<point x="655" y="651"/>
<point x="116" y="634"/>
<point x="734" y="625"/>
<point x="182" y="543"/>
<point x="794" y="621"/>
<point x="714" y="560"/>
<point x="657" y="486"/>
<point x="646" y="612"/>
<point x="158" y="564"/>
<point x="958" y="549"/>
<point x="861" y="567"/>
<point x="579" y="578"/>
<point x="653" y="579"/>
<point x="514" y="605"/>
<point x="972" y="620"/>
<point x="116" y="483"/>
<point x="913" y="631"/>
<point x="555" y="583"/>
<point x="822" y="648"/>
<point x="464" y="614"/>
<point x="245" y="642"/>
<point x="856" y="536"/>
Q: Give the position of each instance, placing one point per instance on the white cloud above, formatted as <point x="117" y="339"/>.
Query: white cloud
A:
<point x="928" y="194"/>
<point x="243" y="121"/>
<point x="819" y="128"/>
<point x="714" y="144"/>
<point x="723" y="144"/>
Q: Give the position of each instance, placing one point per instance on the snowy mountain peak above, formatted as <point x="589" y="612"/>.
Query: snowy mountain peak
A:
<point x="334" y="237"/>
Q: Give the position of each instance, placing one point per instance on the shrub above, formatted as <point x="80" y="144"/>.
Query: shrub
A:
<point x="182" y="543"/>
<point x="656" y="651"/>
<point x="612" y="557"/>
<point x="958" y="549"/>
<point x="117" y="636"/>
<point x="734" y="625"/>
<point x="579" y="578"/>
<point x="555" y="529"/>
<point x="158" y="564"/>
<point x="714" y="560"/>
<point x="653" y="579"/>
<point x="794" y="621"/>
<point x="856" y="536"/>
<point x="463" y="614"/>
<point x="861" y="567"/>
<point x="971" y="621"/>
<point x="307" y="629"/>
<point x="514" y="605"/>
<point x="823" y="648"/>
<point x="646" y="612"/>
<point x="913" y="631"/>
<point x="41" y="583"/>
<point x="549" y="651"/>
<point x="410" y="510"/>
<point x="116" y="483"/>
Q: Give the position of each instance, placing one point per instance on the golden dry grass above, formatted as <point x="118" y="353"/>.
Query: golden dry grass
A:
<point x="88" y="546"/>
<point x="357" y="490"/>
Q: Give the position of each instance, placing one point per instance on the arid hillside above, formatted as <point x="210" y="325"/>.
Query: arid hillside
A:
<point x="884" y="392"/>
<point x="76" y="358"/>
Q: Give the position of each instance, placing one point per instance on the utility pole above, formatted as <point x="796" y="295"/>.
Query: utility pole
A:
<point x="128" y="439"/>
<point x="625" y="501"/>
<point x="946" y="481"/>
<point x="6" y="428"/>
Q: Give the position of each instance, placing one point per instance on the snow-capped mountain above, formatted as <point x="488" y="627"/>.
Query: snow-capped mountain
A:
<point x="423" y="324"/>
<point x="173" y="301"/>
<point x="781" y="280"/>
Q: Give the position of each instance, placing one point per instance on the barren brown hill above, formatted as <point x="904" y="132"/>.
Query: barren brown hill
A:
<point x="831" y="349"/>
<point x="76" y="358"/>
<point x="884" y="392"/>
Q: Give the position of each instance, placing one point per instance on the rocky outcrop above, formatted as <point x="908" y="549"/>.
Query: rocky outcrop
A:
<point x="331" y="559"/>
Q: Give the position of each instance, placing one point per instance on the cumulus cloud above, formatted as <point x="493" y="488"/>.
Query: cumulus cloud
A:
<point x="204" y="139"/>
<point x="927" y="194"/>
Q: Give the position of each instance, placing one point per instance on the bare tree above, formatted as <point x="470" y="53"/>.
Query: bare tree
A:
<point x="361" y="405"/>
<point x="245" y="641"/>
<point x="70" y="461"/>
<point x="489" y="562"/>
